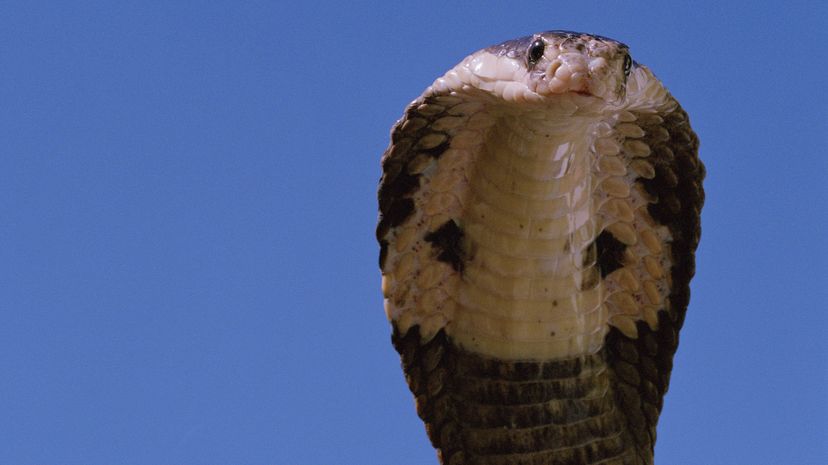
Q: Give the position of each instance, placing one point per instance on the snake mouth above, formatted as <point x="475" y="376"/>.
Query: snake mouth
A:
<point x="575" y="73"/>
<point x="555" y="89"/>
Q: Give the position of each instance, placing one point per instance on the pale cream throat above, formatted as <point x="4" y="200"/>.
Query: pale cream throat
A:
<point x="528" y="221"/>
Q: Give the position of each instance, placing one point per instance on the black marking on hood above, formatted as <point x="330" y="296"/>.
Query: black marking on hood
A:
<point x="447" y="240"/>
<point x="610" y="253"/>
<point x="403" y="184"/>
<point x="397" y="212"/>
<point x="435" y="152"/>
<point x="383" y="253"/>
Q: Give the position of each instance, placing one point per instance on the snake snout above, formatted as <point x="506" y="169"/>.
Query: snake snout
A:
<point x="567" y="72"/>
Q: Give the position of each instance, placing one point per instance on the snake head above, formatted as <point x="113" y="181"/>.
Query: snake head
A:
<point x="548" y="64"/>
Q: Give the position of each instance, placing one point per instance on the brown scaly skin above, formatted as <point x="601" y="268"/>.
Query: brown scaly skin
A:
<point x="480" y="410"/>
<point x="599" y="408"/>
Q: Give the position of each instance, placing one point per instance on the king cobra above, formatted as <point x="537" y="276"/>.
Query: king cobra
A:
<point x="539" y="214"/>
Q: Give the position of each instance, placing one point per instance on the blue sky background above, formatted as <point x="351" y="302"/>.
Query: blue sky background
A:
<point x="188" y="273"/>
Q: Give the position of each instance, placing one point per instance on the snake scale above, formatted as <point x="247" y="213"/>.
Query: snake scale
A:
<point x="539" y="214"/>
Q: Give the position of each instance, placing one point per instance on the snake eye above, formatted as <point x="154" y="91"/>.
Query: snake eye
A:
<point x="627" y="64"/>
<point x="535" y="51"/>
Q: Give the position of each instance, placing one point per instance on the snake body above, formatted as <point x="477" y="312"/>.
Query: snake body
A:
<point x="539" y="213"/>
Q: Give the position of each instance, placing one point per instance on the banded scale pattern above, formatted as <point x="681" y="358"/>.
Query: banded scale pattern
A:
<point x="539" y="211"/>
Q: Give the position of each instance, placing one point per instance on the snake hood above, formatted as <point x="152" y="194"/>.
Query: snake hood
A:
<point x="539" y="213"/>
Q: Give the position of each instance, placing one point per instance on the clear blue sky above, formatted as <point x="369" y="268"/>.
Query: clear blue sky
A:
<point x="188" y="273"/>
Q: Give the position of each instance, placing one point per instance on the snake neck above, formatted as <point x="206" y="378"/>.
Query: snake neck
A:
<point x="530" y="288"/>
<point x="485" y="411"/>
